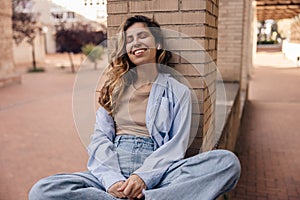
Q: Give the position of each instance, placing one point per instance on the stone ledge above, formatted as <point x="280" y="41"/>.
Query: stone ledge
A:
<point x="243" y="98"/>
<point x="10" y="80"/>
<point x="227" y="117"/>
<point x="227" y="132"/>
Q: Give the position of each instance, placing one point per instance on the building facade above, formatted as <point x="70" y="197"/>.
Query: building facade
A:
<point x="50" y="16"/>
<point x="8" y="73"/>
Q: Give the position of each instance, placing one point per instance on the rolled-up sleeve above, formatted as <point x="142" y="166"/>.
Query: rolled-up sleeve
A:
<point x="103" y="161"/>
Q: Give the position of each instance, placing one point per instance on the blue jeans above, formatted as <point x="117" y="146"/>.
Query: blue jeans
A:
<point x="204" y="176"/>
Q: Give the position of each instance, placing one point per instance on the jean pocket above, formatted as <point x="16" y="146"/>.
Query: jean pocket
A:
<point x="125" y="159"/>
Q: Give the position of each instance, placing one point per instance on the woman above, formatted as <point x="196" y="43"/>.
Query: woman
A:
<point x="141" y="133"/>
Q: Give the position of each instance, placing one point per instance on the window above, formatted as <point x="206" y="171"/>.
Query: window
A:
<point x="70" y="15"/>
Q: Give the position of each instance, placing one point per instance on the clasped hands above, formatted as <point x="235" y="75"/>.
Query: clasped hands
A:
<point x="131" y="188"/>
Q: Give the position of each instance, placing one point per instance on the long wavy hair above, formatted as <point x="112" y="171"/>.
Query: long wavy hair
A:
<point x="120" y="63"/>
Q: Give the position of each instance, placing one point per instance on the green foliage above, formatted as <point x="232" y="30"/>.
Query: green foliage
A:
<point x="93" y="52"/>
<point x="37" y="69"/>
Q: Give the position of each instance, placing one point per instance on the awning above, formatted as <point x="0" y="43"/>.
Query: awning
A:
<point x="277" y="9"/>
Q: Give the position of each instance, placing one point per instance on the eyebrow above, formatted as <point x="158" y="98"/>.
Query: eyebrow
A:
<point x="138" y="34"/>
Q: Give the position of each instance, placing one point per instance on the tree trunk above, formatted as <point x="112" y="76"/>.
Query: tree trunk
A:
<point x="95" y="65"/>
<point x="71" y="62"/>
<point x="33" y="57"/>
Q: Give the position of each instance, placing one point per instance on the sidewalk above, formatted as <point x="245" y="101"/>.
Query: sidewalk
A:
<point x="268" y="145"/>
<point x="38" y="135"/>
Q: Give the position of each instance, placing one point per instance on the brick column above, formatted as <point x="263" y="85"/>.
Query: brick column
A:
<point x="235" y="44"/>
<point x="248" y="35"/>
<point x="198" y="21"/>
<point x="7" y="67"/>
<point x="230" y="43"/>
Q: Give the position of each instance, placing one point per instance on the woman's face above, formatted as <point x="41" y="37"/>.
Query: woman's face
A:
<point x="140" y="44"/>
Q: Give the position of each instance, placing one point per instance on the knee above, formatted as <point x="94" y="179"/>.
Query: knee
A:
<point x="230" y="162"/>
<point x="39" y="190"/>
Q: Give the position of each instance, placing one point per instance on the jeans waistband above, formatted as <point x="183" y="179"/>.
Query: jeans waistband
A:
<point x="133" y="139"/>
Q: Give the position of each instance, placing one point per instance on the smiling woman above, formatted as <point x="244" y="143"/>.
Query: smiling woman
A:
<point x="142" y="132"/>
<point x="140" y="44"/>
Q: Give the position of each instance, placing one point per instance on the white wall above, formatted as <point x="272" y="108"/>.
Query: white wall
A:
<point x="23" y="51"/>
<point x="291" y="50"/>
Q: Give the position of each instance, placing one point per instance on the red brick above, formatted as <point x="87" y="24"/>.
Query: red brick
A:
<point x="193" y="5"/>
<point x="181" y="18"/>
<point x="154" y="5"/>
<point x="117" y="7"/>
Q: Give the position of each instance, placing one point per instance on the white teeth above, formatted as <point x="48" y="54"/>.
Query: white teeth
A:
<point x="137" y="52"/>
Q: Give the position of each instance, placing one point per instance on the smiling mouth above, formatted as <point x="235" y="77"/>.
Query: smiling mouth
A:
<point x="139" y="51"/>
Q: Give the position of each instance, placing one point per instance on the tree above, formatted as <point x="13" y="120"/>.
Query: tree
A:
<point x="73" y="39"/>
<point x="25" y="25"/>
<point x="93" y="53"/>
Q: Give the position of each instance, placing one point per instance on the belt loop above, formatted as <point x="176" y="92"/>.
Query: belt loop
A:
<point x="117" y="140"/>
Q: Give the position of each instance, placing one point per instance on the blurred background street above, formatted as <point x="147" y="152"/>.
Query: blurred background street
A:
<point x="46" y="44"/>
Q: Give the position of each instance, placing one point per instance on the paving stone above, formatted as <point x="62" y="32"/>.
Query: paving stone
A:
<point x="269" y="138"/>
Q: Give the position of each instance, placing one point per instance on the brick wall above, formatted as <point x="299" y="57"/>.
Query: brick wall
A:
<point x="7" y="69"/>
<point x="198" y="20"/>
<point x="295" y="31"/>
<point x="230" y="43"/>
<point x="235" y="44"/>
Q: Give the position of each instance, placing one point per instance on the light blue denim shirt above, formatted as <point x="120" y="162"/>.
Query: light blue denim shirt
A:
<point x="168" y="120"/>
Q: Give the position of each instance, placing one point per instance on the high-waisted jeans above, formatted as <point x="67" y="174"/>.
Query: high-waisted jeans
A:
<point x="132" y="151"/>
<point x="202" y="177"/>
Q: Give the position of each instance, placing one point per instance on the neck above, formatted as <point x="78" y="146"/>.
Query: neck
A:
<point x="146" y="74"/>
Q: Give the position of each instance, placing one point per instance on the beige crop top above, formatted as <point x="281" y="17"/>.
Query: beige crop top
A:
<point x="131" y="113"/>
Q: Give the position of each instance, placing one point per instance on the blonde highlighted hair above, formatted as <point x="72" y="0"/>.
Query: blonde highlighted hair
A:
<point x="120" y="63"/>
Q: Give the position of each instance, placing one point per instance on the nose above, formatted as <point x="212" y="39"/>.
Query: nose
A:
<point x="136" y="43"/>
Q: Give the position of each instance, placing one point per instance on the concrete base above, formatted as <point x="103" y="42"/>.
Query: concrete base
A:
<point x="269" y="48"/>
<point x="9" y="80"/>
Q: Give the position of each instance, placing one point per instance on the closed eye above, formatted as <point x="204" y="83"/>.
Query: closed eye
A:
<point x="140" y="35"/>
<point x="143" y="34"/>
<point x="129" y="39"/>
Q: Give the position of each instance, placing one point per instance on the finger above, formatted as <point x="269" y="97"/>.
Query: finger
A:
<point x="113" y="194"/>
<point x="120" y="195"/>
<point x="136" y="192"/>
<point x="117" y="194"/>
<point x="128" y="188"/>
<point x="136" y="188"/>
<point x="124" y="185"/>
<point x="140" y="196"/>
